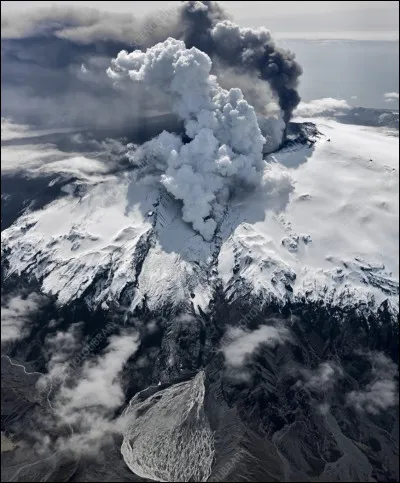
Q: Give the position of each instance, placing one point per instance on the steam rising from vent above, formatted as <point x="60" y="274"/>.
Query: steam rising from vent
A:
<point x="226" y="144"/>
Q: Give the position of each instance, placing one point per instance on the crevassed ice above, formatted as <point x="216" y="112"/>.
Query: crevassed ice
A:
<point x="169" y="438"/>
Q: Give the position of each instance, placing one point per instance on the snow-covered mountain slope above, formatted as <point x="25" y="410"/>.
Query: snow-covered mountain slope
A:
<point x="330" y="234"/>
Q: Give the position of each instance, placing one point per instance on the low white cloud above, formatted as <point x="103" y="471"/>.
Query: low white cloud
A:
<point x="84" y="157"/>
<point x="242" y="343"/>
<point x="98" y="384"/>
<point x="376" y="397"/>
<point x="391" y="96"/>
<point x="10" y="130"/>
<point x="83" y="398"/>
<point x="322" y="378"/>
<point x="327" y="105"/>
<point x="15" y="314"/>
<point x="46" y="159"/>
<point x="324" y="408"/>
<point x="382" y="392"/>
<point x="60" y="348"/>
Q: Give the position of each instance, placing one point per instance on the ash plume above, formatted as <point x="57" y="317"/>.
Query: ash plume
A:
<point x="247" y="50"/>
<point x="226" y="143"/>
<point x="222" y="126"/>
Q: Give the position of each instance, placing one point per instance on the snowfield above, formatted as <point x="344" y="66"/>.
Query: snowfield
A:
<point x="328" y="231"/>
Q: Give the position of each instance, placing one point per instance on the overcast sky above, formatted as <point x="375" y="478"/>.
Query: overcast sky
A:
<point x="307" y="19"/>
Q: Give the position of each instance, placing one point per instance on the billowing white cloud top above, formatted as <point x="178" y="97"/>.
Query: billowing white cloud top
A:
<point x="226" y="143"/>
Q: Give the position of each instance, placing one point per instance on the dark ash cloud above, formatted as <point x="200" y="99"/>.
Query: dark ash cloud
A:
<point x="250" y="51"/>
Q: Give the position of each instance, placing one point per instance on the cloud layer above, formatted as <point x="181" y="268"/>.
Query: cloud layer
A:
<point x="84" y="397"/>
<point x="391" y="96"/>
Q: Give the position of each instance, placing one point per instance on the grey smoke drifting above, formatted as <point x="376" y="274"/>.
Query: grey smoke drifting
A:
<point x="54" y="62"/>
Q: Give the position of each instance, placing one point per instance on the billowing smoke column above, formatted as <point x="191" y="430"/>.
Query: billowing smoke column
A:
<point x="226" y="144"/>
<point x="231" y="88"/>
<point x="249" y="51"/>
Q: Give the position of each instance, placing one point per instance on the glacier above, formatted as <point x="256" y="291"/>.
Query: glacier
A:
<point x="328" y="234"/>
<point x="168" y="437"/>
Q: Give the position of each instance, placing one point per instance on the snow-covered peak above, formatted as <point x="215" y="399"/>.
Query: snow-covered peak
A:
<point x="328" y="230"/>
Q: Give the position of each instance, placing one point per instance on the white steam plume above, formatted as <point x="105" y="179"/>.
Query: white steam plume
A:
<point x="226" y="143"/>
